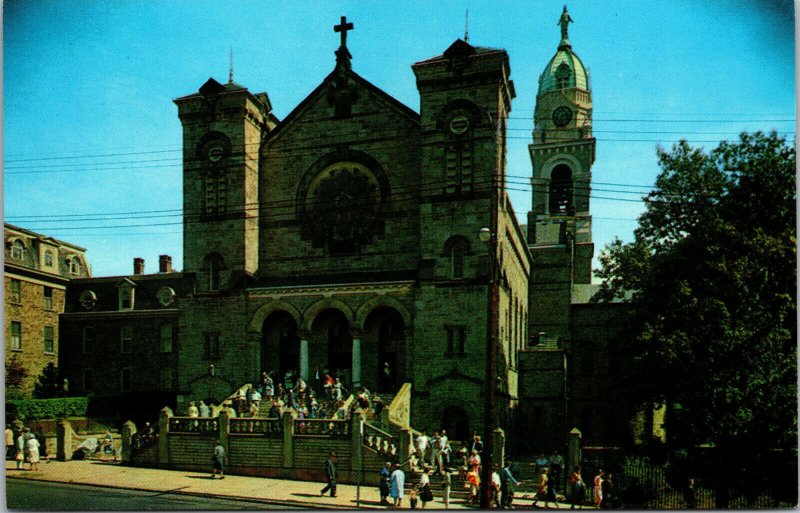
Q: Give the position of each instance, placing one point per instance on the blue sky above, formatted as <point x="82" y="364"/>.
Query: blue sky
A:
<point x="90" y="128"/>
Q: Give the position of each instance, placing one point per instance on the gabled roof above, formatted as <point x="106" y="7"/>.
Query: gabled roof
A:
<point x="360" y="82"/>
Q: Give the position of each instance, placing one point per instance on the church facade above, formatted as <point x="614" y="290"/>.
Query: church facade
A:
<point x="346" y="237"/>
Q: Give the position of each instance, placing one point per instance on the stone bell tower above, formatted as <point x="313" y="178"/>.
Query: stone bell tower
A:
<point x="562" y="153"/>
<point x="223" y="126"/>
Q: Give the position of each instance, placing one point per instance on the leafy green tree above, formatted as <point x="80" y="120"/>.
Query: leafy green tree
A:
<point x="712" y="279"/>
<point x="15" y="377"/>
<point x="49" y="383"/>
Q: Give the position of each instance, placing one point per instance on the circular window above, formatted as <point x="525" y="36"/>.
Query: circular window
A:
<point x="88" y="299"/>
<point x="342" y="201"/>
<point x="166" y="296"/>
<point x="562" y="116"/>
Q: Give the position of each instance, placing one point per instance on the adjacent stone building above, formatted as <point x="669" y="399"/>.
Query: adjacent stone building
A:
<point x="121" y="334"/>
<point x="569" y="366"/>
<point x="37" y="271"/>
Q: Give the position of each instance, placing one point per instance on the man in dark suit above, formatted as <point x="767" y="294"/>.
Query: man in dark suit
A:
<point x="330" y="474"/>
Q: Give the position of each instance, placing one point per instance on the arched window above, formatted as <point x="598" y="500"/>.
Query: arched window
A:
<point x="48" y="258"/>
<point x="17" y="250"/>
<point x="455" y="249"/>
<point x="75" y="265"/>
<point x="561" y="190"/>
<point x="214" y="265"/>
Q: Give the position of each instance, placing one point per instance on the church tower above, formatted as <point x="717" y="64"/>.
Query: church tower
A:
<point x="223" y="126"/>
<point x="562" y="153"/>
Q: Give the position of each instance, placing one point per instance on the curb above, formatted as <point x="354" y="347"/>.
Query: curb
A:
<point x="277" y="502"/>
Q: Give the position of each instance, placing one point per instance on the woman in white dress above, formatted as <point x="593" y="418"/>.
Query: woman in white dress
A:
<point x="32" y="450"/>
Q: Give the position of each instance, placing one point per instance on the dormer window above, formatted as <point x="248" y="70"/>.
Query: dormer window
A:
<point x="126" y="292"/>
<point x="75" y="266"/>
<point x="17" y="250"/>
<point x="48" y="258"/>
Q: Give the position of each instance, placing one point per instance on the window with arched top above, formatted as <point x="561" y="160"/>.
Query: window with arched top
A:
<point x="214" y="265"/>
<point x="75" y="265"/>
<point x="456" y="248"/>
<point x="17" y="250"/>
<point x="561" y="190"/>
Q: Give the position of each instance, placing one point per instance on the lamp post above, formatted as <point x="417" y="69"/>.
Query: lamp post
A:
<point x="490" y="240"/>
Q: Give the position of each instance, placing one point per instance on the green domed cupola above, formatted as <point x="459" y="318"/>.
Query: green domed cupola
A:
<point x="565" y="70"/>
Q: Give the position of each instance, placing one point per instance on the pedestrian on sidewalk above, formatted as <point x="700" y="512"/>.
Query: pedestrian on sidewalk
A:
<point x="330" y="474"/>
<point x="218" y="460"/>
<point x="20" y="455"/>
<point x="9" y="442"/>
<point x="385" y="484"/>
<point x="578" y="489"/>
<point x="507" y="482"/>
<point x="398" y="482"/>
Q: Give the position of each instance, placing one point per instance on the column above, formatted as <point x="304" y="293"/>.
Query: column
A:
<point x="304" y="355"/>
<point x="356" y="359"/>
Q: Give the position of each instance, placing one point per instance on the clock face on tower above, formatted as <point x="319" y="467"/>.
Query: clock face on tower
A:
<point x="562" y="116"/>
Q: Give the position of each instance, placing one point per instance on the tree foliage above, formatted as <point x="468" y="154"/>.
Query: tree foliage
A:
<point x="712" y="280"/>
<point x="49" y="383"/>
<point x="15" y="373"/>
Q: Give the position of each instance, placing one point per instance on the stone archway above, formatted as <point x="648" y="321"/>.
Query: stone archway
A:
<point x="280" y="343"/>
<point x="455" y="420"/>
<point x="331" y="343"/>
<point x="384" y="343"/>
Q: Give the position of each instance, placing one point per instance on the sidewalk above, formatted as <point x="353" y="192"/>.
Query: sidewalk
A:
<point x="273" y="491"/>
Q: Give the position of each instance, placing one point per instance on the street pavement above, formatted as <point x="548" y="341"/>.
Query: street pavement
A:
<point x="272" y="491"/>
<point x="291" y="494"/>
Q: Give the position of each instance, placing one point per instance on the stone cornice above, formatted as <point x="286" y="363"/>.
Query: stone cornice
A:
<point x="328" y="290"/>
<point x="121" y="314"/>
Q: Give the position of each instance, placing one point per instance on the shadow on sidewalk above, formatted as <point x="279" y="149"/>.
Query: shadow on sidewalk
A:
<point x="200" y="477"/>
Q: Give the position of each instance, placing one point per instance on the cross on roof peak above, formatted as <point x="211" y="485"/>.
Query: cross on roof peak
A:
<point x="343" y="27"/>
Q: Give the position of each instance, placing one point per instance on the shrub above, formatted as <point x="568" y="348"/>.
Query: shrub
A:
<point x="34" y="409"/>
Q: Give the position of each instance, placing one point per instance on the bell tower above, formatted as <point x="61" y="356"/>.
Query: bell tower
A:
<point x="223" y="126"/>
<point x="562" y="154"/>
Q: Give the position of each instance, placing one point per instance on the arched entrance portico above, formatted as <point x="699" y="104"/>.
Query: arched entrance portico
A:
<point x="331" y="344"/>
<point x="280" y="343"/>
<point x="455" y="421"/>
<point x="384" y="343"/>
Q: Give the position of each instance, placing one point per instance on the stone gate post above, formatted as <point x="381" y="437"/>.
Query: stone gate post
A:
<point x="128" y="430"/>
<point x="288" y="443"/>
<point x="573" y="450"/>
<point x="64" y="440"/>
<point x="163" y="437"/>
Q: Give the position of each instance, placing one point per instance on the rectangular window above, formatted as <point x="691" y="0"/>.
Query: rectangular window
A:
<point x="456" y="339"/>
<point x="126" y="339"/>
<point x="48" y="298"/>
<point x="15" y="291"/>
<point x="16" y="336"/>
<point x="88" y="339"/>
<point x="166" y="379"/>
<point x="125" y="379"/>
<point x="166" y="338"/>
<point x="49" y="340"/>
<point x="211" y="346"/>
<point x="88" y="380"/>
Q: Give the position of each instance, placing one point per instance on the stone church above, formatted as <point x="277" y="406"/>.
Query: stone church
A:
<point x="357" y="235"/>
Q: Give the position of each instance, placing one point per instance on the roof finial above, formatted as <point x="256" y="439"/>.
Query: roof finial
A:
<point x="466" y="26"/>
<point x="564" y="21"/>
<point x="230" y="69"/>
